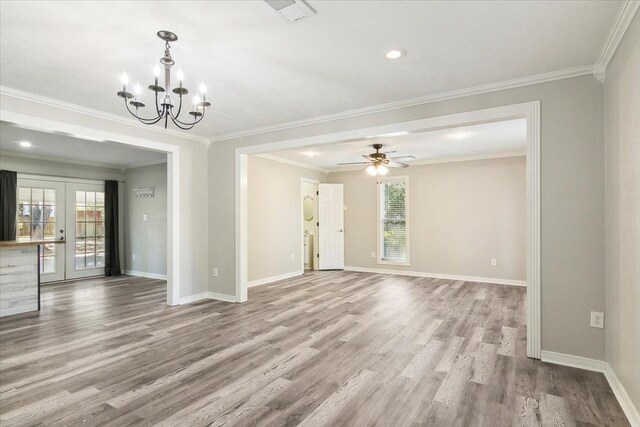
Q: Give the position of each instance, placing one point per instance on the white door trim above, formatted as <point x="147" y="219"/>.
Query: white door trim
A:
<point x="173" y="180"/>
<point x="315" y="217"/>
<point x="528" y="110"/>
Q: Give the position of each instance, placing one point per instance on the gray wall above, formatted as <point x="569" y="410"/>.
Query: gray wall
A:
<point x="461" y="214"/>
<point x="274" y="196"/>
<point x="622" y="144"/>
<point x="147" y="240"/>
<point x="572" y="199"/>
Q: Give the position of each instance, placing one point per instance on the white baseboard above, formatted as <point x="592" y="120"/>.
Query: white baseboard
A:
<point x="573" y="361"/>
<point x="221" y="297"/>
<point x="623" y="398"/>
<point x="193" y="298"/>
<point x="145" y="274"/>
<point x="599" y="366"/>
<point x="272" y="279"/>
<point x="207" y="295"/>
<point x="438" y="276"/>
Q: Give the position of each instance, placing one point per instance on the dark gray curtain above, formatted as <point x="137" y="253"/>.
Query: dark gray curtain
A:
<point x="111" y="236"/>
<point x="8" y="206"/>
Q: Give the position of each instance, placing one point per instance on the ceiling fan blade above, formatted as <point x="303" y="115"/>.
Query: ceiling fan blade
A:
<point x="402" y="158"/>
<point x="397" y="165"/>
<point x="354" y="163"/>
<point x="368" y="158"/>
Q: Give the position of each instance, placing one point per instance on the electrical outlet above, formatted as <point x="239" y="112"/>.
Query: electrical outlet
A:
<point x="293" y="257"/>
<point x="597" y="319"/>
<point x="494" y="261"/>
<point x="373" y="254"/>
<point x="215" y="271"/>
<point x="133" y="257"/>
<point x="144" y="217"/>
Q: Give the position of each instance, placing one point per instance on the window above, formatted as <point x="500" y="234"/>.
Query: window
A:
<point x="393" y="193"/>
<point x="89" y="229"/>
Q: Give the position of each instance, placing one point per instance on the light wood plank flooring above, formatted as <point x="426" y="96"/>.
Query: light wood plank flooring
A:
<point x="328" y="348"/>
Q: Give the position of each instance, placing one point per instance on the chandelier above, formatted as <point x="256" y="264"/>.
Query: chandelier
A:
<point x="164" y="106"/>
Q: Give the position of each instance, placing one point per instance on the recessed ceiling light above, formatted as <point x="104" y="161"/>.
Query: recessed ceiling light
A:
<point x="309" y="153"/>
<point x="395" y="53"/>
<point x="25" y="144"/>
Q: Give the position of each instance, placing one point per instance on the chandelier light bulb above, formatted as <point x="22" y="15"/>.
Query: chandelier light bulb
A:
<point x="196" y="100"/>
<point x="137" y="89"/>
<point x="371" y="170"/>
<point x="180" y="75"/>
<point x="203" y="88"/>
<point x="156" y="71"/>
<point x="382" y="170"/>
<point x="124" y="78"/>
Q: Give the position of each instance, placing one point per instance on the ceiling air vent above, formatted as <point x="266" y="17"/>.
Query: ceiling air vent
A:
<point x="291" y="10"/>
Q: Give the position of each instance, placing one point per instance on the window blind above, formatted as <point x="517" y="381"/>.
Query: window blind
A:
<point x="393" y="221"/>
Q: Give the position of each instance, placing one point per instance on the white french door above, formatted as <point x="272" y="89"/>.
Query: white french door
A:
<point x="54" y="210"/>
<point x="41" y="213"/>
<point x="330" y="227"/>
<point x="85" y="230"/>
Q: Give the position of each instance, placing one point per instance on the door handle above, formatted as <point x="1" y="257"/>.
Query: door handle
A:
<point x="340" y="231"/>
<point x="61" y="238"/>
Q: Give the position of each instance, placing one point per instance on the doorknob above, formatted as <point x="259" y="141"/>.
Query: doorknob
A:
<point x="61" y="230"/>
<point x="61" y="238"/>
<point x="340" y="231"/>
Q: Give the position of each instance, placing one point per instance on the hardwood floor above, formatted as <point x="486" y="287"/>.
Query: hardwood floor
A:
<point x="329" y="348"/>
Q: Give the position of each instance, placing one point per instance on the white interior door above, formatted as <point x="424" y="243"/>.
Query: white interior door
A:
<point x="85" y="230"/>
<point x="330" y="227"/>
<point x="41" y="217"/>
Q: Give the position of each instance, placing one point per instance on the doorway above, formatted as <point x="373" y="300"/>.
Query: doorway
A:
<point x="173" y="250"/>
<point x="69" y="211"/>
<point x="530" y="111"/>
<point x="309" y="194"/>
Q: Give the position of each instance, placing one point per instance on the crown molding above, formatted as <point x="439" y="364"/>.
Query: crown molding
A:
<point x="80" y="162"/>
<point x="143" y="164"/>
<point x="50" y="102"/>
<point x="293" y="163"/>
<point x="476" y="90"/>
<point x="443" y="160"/>
<point x="625" y="15"/>
<point x="60" y="160"/>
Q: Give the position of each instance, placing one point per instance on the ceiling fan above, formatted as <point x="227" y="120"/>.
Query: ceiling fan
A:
<point x="378" y="163"/>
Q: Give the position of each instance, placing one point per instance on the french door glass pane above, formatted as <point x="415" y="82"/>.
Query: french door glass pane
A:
<point x="37" y="221"/>
<point x="89" y="229"/>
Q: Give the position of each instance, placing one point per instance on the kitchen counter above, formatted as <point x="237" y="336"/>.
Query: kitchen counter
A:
<point x="20" y="275"/>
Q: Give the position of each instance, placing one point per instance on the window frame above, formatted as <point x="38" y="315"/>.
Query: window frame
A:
<point x="380" y="226"/>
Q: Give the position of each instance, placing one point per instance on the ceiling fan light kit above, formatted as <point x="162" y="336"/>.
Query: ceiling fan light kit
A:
<point x="378" y="163"/>
<point x="164" y="106"/>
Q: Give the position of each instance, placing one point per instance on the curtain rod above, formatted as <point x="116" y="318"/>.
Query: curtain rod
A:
<point x="65" y="177"/>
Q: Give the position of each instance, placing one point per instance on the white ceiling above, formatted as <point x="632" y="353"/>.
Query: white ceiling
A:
<point x="477" y="141"/>
<point x="70" y="149"/>
<point x="263" y="71"/>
